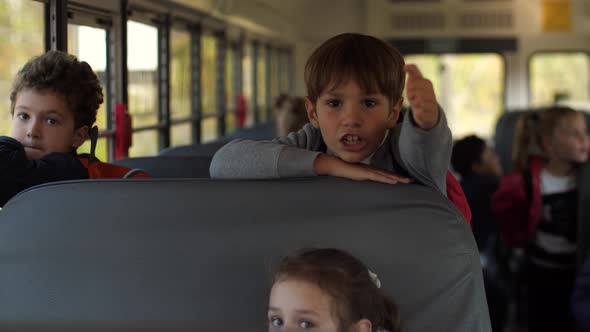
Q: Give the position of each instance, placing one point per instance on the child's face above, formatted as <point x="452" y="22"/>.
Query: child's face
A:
<point x="569" y="141"/>
<point x="353" y="123"/>
<point x="299" y="305"/>
<point x="43" y="123"/>
<point x="489" y="163"/>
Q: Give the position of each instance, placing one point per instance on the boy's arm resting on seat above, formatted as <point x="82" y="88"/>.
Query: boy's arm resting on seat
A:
<point x="18" y="173"/>
<point x="425" y="153"/>
<point x="290" y="156"/>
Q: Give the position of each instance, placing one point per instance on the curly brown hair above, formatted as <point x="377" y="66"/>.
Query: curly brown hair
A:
<point x="347" y="281"/>
<point x="63" y="74"/>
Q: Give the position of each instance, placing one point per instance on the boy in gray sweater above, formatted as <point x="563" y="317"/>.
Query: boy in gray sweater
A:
<point x="354" y="84"/>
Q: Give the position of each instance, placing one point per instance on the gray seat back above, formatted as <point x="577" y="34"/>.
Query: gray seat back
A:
<point x="170" y="166"/>
<point x="265" y="131"/>
<point x="205" y="150"/>
<point x="197" y="253"/>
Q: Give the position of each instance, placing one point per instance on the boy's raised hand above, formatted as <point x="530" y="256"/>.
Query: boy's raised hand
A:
<point x="421" y="97"/>
<point x="332" y="166"/>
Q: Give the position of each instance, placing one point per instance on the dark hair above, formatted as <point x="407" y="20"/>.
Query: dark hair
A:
<point x="63" y="74"/>
<point x="374" y="64"/>
<point x="291" y="118"/>
<point x="347" y="281"/>
<point x="530" y="130"/>
<point x="466" y="152"/>
<point x="280" y="100"/>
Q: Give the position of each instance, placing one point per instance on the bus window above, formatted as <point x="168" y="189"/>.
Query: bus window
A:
<point x="284" y="64"/>
<point x="208" y="88"/>
<point x="142" y="64"/>
<point x="90" y="44"/>
<point x="557" y="77"/>
<point x="247" y="66"/>
<point x="274" y="74"/>
<point x="22" y="23"/>
<point x="469" y="87"/>
<point x="180" y="87"/>
<point x="261" y="83"/>
<point x="230" y="94"/>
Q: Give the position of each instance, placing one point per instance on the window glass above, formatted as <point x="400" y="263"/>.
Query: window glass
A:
<point x="180" y="74"/>
<point x="284" y="72"/>
<point x="90" y="44"/>
<point x="274" y="74"/>
<point x="469" y="87"/>
<point x="209" y="129"/>
<point x="261" y="84"/>
<point x="180" y="86"/>
<point x="248" y="83"/>
<point x="145" y="143"/>
<point x="142" y="64"/>
<point x="208" y="74"/>
<point x="181" y="134"/>
<point x="230" y="96"/>
<point x="22" y="23"/>
<point x="560" y="78"/>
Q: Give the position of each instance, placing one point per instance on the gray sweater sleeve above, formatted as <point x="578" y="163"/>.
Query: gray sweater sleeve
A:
<point x="290" y="156"/>
<point x="426" y="154"/>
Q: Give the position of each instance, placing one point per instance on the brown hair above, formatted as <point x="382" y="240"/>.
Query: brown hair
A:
<point x="63" y="74"/>
<point x="375" y="65"/>
<point x="347" y="281"/>
<point x="530" y="130"/>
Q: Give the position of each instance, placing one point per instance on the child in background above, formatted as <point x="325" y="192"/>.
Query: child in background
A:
<point x="328" y="290"/>
<point x="54" y="101"/>
<point x="480" y="171"/>
<point x="291" y="114"/>
<point x="536" y="208"/>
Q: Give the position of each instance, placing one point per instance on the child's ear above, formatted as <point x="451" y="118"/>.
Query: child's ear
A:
<point x="363" y="325"/>
<point x="312" y="115"/>
<point x="80" y="135"/>
<point x="394" y="113"/>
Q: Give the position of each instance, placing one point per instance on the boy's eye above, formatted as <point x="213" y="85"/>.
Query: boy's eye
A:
<point x="306" y="324"/>
<point x="333" y="103"/>
<point x="370" y="103"/>
<point x="275" y="321"/>
<point x="51" y="121"/>
<point x="23" y="116"/>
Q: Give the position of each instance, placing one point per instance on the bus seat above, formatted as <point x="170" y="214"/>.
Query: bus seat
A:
<point x="265" y="131"/>
<point x="196" y="254"/>
<point x="206" y="149"/>
<point x="170" y="166"/>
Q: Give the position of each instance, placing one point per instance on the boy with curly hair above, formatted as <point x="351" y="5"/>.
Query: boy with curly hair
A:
<point x="53" y="103"/>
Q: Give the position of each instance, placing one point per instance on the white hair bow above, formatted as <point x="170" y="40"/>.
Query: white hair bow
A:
<point x="375" y="279"/>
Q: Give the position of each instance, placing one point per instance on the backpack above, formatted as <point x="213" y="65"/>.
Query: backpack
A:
<point x="100" y="170"/>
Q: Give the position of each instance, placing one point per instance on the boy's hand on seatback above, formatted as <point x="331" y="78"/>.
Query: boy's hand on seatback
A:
<point x="421" y="97"/>
<point x="332" y="166"/>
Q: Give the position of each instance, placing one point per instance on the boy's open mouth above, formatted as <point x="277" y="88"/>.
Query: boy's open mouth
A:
<point x="352" y="142"/>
